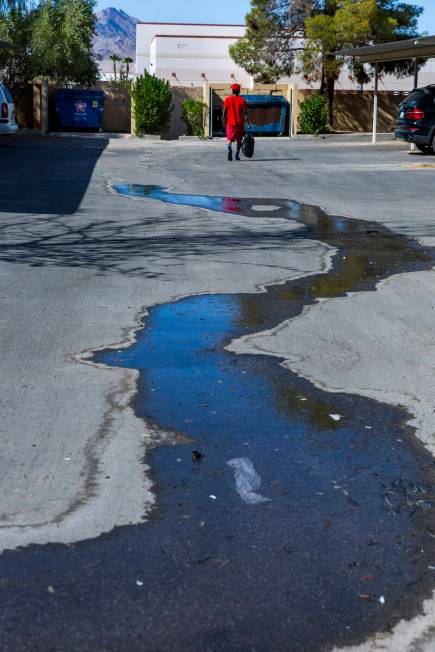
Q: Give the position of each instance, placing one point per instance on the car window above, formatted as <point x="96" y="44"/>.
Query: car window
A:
<point x="7" y="94"/>
<point x="421" y="97"/>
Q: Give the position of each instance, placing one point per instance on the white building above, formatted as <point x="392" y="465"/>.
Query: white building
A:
<point x="189" y="54"/>
<point x="192" y="60"/>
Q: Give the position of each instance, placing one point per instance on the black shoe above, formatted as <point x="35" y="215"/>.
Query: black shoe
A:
<point x="230" y="154"/>
<point x="238" y="157"/>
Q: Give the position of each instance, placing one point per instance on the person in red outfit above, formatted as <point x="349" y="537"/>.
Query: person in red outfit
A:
<point x="235" y="116"/>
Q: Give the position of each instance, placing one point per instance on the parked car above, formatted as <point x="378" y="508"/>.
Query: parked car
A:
<point x="8" y="125"/>
<point x="416" y="123"/>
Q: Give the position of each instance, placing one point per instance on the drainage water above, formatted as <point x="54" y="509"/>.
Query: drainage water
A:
<point x="339" y="545"/>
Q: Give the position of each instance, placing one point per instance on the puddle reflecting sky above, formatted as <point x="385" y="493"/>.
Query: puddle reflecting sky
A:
<point x="350" y="500"/>
<point x="349" y="520"/>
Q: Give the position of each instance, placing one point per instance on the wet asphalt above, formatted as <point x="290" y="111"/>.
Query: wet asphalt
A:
<point x="349" y="489"/>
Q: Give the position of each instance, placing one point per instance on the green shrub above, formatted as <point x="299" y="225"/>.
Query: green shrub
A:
<point x="151" y="105"/>
<point x="313" y="118"/>
<point x="193" y="116"/>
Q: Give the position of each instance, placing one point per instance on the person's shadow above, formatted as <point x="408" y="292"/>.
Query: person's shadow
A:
<point x="270" y="160"/>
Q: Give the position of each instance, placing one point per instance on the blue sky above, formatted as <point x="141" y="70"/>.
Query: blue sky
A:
<point x="218" y="11"/>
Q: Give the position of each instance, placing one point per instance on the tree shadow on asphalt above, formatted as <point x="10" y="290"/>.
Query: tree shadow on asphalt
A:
<point x="131" y="248"/>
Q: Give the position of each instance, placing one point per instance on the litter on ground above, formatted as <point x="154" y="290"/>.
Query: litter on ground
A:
<point x="247" y="480"/>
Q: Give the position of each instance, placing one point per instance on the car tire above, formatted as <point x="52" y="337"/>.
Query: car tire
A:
<point x="425" y="149"/>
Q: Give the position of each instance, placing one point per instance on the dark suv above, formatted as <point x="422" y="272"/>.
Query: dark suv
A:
<point x="416" y="123"/>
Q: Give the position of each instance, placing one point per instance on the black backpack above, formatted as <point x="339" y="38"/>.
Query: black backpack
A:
<point x="248" y="145"/>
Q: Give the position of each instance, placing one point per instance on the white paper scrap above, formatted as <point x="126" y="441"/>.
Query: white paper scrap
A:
<point x="247" y="480"/>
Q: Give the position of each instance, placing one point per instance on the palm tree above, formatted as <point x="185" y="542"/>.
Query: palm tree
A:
<point x="128" y="61"/>
<point x="115" y="58"/>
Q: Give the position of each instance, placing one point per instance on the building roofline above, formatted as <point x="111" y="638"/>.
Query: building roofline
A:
<point x="141" y="22"/>
<point x="216" y="36"/>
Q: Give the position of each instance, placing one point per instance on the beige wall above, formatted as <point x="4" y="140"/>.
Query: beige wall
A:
<point x="117" y="109"/>
<point x="37" y="106"/>
<point x="40" y="103"/>
<point x="353" y="111"/>
<point x="178" y="126"/>
<point x="24" y="107"/>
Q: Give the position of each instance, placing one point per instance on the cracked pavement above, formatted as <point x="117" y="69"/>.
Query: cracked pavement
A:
<point x="79" y="266"/>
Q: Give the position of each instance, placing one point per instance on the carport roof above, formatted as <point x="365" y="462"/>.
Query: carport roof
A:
<point x="394" y="51"/>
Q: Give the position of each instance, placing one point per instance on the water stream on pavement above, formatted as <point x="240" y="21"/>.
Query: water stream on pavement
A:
<point x="341" y="531"/>
<point x="319" y="532"/>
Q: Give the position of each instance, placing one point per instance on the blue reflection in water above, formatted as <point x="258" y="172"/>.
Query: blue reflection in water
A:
<point x="326" y="481"/>
<point x="349" y="517"/>
<point x="221" y="204"/>
<point x="327" y="523"/>
<point x="190" y="384"/>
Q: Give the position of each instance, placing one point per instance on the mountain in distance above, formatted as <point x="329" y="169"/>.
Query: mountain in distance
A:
<point x="115" y="34"/>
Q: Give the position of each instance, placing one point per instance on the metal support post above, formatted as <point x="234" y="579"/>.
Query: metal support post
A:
<point x="413" y="147"/>
<point x="210" y="124"/>
<point x="290" y="99"/>
<point x="415" y="74"/>
<point x="375" y="105"/>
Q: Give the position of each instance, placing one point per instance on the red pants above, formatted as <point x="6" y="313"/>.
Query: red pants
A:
<point x="235" y="133"/>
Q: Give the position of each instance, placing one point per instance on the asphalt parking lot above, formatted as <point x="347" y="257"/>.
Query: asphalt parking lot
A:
<point x="80" y="267"/>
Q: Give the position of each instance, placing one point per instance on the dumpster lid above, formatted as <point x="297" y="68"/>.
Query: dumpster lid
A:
<point x="90" y="93"/>
<point x="264" y="99"/>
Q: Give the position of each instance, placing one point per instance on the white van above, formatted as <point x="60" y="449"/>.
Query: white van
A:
<point x="8" y="124"/>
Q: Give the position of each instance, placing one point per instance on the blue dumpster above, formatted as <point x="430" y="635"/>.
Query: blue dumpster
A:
<point x="268" y="114"/>
<point x="79" y="109"/>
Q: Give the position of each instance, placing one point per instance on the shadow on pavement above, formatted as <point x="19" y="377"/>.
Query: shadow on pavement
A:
<point x="46" y="175"/>
<point x="269" y="160"/>
<point x="129" y="248"/>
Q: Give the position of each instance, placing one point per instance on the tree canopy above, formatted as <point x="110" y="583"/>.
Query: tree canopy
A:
<point x="16" y="27"/>
<point x="268" y="50"/>
<point x="334" y="25"/>
<point x="54" y="39"/>
<point x="62" y="41"/>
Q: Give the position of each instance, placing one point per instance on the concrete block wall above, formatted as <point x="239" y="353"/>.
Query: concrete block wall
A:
<point x="353" y="110"/>
<point x="117" y="108"/>
<point x="179" y="94"/>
